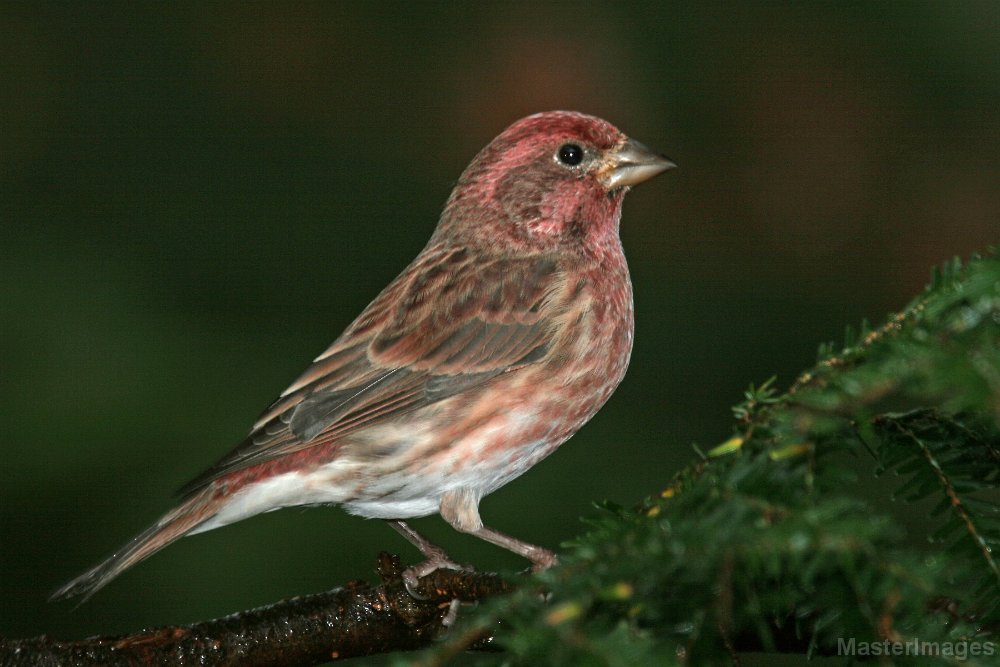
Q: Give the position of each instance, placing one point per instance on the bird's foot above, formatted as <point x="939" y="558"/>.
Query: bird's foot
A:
<point x="542" y="559"/>
<point x="451" y="615"/>
<point x="413" y="574"/>
<point x="436" y="559"/>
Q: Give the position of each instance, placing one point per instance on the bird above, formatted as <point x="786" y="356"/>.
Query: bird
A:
<point x="506" y="334"/>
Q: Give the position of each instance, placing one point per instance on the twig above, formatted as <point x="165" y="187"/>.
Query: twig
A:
<point x="357" y="619"/>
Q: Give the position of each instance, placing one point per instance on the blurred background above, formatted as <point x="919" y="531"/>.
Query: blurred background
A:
<point x="195" y="200"/>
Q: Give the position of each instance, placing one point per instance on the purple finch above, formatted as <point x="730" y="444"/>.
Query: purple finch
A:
<point x="496" y="344"/>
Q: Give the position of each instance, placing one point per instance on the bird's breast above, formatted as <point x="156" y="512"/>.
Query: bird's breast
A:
<point x="595" y="346"/>
<point x="482" y="439"/>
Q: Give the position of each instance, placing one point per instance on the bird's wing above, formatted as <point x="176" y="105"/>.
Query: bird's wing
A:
<point x="448" y="324"/>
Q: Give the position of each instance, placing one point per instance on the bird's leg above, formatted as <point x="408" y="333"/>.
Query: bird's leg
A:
<point x="540" y="557"/>
<point x="435" y="555"/>
<point x="461" y="509"/>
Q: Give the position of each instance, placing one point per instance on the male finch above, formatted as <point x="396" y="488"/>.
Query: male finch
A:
<point x="497" y="343"/>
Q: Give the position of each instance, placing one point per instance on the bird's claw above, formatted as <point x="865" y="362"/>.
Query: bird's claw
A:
<point x="542" y="559"/>
<point x="451" y="615"/>
<point x="413" y="574"/>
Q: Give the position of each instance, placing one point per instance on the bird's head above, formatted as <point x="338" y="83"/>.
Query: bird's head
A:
<point x="550" y="181"/>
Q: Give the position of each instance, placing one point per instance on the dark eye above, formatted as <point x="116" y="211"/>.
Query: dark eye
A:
<point x="570" y="154"/>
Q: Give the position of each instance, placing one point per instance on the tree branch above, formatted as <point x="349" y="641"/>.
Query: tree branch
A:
<point x="355" y="620"/>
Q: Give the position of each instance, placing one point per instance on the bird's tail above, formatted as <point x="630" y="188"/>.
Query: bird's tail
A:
<point x="173" y="525"/>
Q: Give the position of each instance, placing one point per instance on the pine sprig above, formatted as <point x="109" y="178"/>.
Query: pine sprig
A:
<point x="762" y="544"/>
<point x="945" y="457"/>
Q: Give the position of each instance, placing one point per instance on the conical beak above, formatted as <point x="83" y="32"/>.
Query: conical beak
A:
<point x="631" y="164"/>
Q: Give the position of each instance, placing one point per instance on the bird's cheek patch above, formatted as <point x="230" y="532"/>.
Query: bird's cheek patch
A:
<point x="520" y="193"/>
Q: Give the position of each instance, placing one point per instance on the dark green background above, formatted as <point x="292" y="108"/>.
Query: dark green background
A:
<point x="196" y="199"/>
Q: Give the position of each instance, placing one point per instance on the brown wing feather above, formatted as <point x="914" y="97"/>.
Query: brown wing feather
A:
<point x="448" y="324"/>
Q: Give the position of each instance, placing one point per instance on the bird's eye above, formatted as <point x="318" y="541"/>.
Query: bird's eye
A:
<point x="570" y="154"/>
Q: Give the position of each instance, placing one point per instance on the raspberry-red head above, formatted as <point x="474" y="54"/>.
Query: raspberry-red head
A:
<point x="551" y="181"/>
